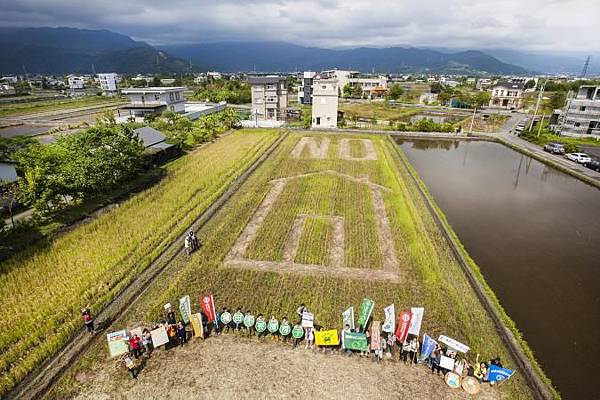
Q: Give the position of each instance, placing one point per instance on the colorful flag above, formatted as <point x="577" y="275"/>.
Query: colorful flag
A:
<point x="327" y="338"/>
<point x="366" y="308"/>
<point x="403" y="325"/>
<point x="185" y="307"/>
<point x="196" y="320"/>
<point x="454" y="344"/>
<point x="496" y="373"/>
<point x="375" y="335"/>
<point x="390" y="319"/>
<point x="208" y="305"/>
<point x="427" y="347"/>
<point x="415" y="322"/>
<point x="308" y="320"/>
<point x="348" y="317"/>
<point x="355" y="341"/>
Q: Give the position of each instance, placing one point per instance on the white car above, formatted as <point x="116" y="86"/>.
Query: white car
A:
<point x="580" y="158"/>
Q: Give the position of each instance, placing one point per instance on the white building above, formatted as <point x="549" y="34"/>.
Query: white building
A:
<point x="76" y="82"/>
<point x="507" y="95"/>
<point x="214" y="75"/>
<point x="153" y="101"/>
<point x="109" y="83"/>
<point x="324" y="103"/>
<point x="269" y="97"/>
<point x="353" y="78"/>
<point x="305" y="88"/>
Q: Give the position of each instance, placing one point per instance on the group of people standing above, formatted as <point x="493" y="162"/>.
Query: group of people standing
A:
<point x="191" y="243"/>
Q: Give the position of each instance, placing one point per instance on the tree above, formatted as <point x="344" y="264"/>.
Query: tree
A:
<point x="558" y="99"/>
<point x="156" y="82"/>
<point x="357" y="91"/>
<point x="444" y="97"/>
<point x="9" y="147"/>
<point x="347" y="90"/>
<point x="530" y="84"/>
<point x="395" y="92"/>
<point x="22" y="87"/>
<point x="481" y="99"/>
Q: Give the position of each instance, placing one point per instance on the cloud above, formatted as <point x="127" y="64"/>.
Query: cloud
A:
<point x="544" y="25"/>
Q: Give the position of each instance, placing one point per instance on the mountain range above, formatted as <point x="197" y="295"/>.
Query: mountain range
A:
<point x="72" y="50"/>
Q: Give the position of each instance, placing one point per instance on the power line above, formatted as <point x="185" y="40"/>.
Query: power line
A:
<point x="586" y="64"/>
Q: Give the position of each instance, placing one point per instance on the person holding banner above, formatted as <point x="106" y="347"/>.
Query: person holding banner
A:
<point x="130" y="365"/>
<point x="347" y="329"/>
<point x="301" y="310"/>
<point x="147" y="341"/>
<point x="285" y="329"/>
<point x="481" y="369"/>
<point x="413" y="350"/>
<point x="259" y="326"/>
<point x="134" y="346"/>
<point x="310" y="338"/>
<point x="181" y="334"/>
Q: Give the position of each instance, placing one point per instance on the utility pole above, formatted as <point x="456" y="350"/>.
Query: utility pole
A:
<point x="586" y="64"/>
<point x="541" y="123"/>
<point x="563" y="118"/>
<point x="537" y="104"/>
<point x="472" y="121"/>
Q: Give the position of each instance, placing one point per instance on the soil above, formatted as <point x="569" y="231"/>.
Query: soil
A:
<point x="233" y="367"/>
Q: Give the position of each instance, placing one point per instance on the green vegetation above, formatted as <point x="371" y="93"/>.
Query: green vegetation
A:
<point x="546" y="136"/>
<point x="56" y="105"/>
<point x="43" y="287"/>
<point x="231" y="91"/>
<point x="378" y="111"/>
<point x="429" y="274"/>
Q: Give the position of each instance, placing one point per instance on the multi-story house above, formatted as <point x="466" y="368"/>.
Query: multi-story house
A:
<point x="305" y="88"/>
<point x="582" y="113"/>
<point x="324" y="103"/>
<point x="76" y="84"/>
<point x="108" y="83"/>
<point x="153" y="101"/>
<point x="269" y="97"/>
<point x="507" y="95"/>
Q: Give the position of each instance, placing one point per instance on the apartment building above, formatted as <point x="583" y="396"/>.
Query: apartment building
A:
<point x="324" y="103"/>
<point x="582" y="113"/>
<point x="370" y="86"/>
<point x="507" y="95"/>
<point x="269" y="97"/>
<point x="109" y="83"/>
<point x="76" y="83"/>
<point x="305" y="87"/>
<point x="153" y="101"/>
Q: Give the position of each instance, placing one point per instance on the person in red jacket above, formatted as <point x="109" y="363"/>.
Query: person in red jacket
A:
<point x="134" y="345"/>
<point x="88" y="320"/>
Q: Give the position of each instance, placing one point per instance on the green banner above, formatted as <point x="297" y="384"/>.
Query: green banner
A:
<point x="260" y="326"/>
<point x="238" y="317"/>
<point x="226" y="318"/>
<point x="273" y="325"/>
<point x="366" y="308"/>
<point x="298" y="332"/>
<point x="355" y="341"/>
<point x="249" y="320"/>
<point x="285" y="329"/>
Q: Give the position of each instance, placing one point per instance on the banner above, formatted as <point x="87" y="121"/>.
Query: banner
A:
<point x="415" y="322"/>
<point x="355" y="341"/>
<point x="117" y="343"/>
<point x="185" y="307"/>
<point x="196" y="320"/>
<point x="208" y="305"/>
<point x="496" y="373"/>
<point x="455" y="344"/>
<point x="260" y="326"/>
<point x="297" y="332"/>
<point x="375" y="335"/>
<point x="447" y="363"/>
<point x="285" y="329"/>
<point x="348" y="318"/>
<point x="159" y="336"/>
<point x="249" y="321"/>
<point x="238" y="318"/>
<point x="403" y="325"/>
<point x="308" y="320"/>
<point x="366" y="308"/>
<point x="327" y="338"/>
<point x="273" y="325"/>
<point x="390" y="319"/>
<point x="452" y="380"/>
<point x="427" y="347"/>
<point x="226" y="318"/>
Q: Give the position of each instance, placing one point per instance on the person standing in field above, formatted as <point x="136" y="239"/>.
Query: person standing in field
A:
<point x="181" y="334"/>
<point x="130" y="365"/>
<point x="346" y="330"/>
<point x="134" y="345"/>
<point x="187" y="243"/>
<point x="413" y="350"/>
<point x="88" y="320"/>
<point x="171" y="318"/>
<point x="147" y="341"/>
<point x="310" y="338"/>
<point x="405" y="351"/>
<point x="301" y="310"/>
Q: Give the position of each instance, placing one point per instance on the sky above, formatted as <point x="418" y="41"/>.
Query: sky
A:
<point x="532" y="25"/>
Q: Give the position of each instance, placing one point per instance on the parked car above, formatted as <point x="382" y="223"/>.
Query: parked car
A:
<point x="554" y="148"/>
<point x="594" y="164"/>
<point x="580" y="158"/>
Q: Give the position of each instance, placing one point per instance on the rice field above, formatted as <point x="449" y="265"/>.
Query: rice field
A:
<point x="43" y="288"/>
<point x="323" y="189"/>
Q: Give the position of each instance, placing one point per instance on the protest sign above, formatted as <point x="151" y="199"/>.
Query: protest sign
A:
<point x="327" y="338"/>
<point x="366" y="308"/>
<point x="208" y="305"/>
<point x="452" y="380"/>
<point x="470" y="385"/>
<point x="159" y="336"/>
<point x="447" y="363"/>
<point x="117" y="343"/>
<point x="226" y="318"/>
<point x="355" y="341"/>
<point x="308" y="320"/>
<point x="427" y="347"/>
<point x="297" y="332"/>
<point x="260" y="326"/>
<point x="454" y="344"/>
<point x="348" y="317"/>
<point x="375" y="335"/>
<point x="496" y="373"/>
<point x="196" y="320"/>
<point x="415" y="321"/>
<point x="185" y="307"/>
<point x="249" y="321"/>
<point x="389" y="325"/>
<point x="273" y="325"/>
<point x="285" y="329"/>
<point x="403" y="325"/>
<point x="136" y="331"/>
<point x="238" y="318"/>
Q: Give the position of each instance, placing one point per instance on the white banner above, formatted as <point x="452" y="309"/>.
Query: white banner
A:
<point x="390" y="319"/>
<point x="308" y="320"/>
<point x="159" y="336"/>
<point x="455" y="344"/>
<point x="348" y="318"/>
<point x="447" y="362"/>
<point x="415" y="322"/>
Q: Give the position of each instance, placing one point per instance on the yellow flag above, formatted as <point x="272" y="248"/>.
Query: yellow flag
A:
<point x="327" y="338"/>
<point x="196" y="320"/>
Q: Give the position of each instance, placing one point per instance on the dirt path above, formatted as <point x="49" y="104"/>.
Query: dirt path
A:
<point x="230" y="367"/>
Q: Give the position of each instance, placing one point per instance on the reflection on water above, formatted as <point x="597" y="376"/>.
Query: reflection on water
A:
<point x="535" y="233"/>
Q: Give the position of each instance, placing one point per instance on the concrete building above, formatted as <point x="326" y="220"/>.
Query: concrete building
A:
<point x="370" y="85"/>
<point x="507" y="95"/>
<point x="153" y="101"/>
<point x="582" y="113"/>
<point x="342" y="77"/>
<point x="76" y="85"/>
<point x="305" y="88"/>
<point x="484" y="83"/>
<point x="109" y="83"/>
<point x="325" y="103"/>
<point x="269" y="97"/>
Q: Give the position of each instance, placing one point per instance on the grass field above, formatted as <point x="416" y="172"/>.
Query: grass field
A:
<point x="378" y="110"/>
<point x="324" y="190"/>
<point x="43" y="287"/>
<point x="54" y="105"/>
